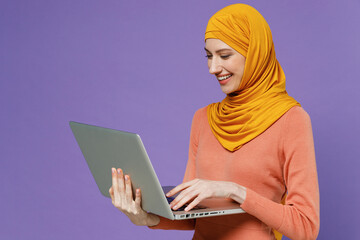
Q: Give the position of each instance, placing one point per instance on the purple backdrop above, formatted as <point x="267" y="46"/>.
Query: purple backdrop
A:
<point x="140" y="66"/>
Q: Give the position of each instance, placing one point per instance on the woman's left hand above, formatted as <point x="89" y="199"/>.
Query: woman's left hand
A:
<point x="198" y="189"/>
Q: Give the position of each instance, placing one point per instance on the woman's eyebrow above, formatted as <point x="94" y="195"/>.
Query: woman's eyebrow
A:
<point x="219" y="50"/>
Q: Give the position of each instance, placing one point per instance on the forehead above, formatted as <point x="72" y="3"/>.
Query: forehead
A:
<point x="213" y="44"/>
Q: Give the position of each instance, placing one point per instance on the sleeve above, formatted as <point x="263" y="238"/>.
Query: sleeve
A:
<point x="188" y="224"/>
<point x="299" y="218"/>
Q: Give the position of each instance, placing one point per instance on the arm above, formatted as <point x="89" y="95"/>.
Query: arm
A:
<point x="299" y="217"/>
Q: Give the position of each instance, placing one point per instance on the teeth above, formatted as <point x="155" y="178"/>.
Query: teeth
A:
<point x="224" y="77"/>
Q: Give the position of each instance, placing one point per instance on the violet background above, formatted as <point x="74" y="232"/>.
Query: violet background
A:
<point x="139" y="66"/>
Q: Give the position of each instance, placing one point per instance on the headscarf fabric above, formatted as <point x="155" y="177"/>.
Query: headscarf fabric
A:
<point x="261" y="97"/>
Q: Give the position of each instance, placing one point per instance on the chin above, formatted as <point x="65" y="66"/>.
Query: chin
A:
<point x="230" y="88"/>
<point x="227" y="91"/>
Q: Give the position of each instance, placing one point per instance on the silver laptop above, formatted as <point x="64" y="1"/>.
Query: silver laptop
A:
<point x="105" y="148"/>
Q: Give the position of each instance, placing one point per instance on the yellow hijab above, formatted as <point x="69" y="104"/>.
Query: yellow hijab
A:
<point x="261" y="98"/>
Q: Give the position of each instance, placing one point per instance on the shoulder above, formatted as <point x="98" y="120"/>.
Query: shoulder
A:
<point x="200" y="114"/>
<point x="297" y="124"/>
<point x="199" y="120"/>
<point x="296" y="115"/>
<point x="297" y="112"/>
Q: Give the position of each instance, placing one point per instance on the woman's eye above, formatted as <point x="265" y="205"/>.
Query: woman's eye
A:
<point x="208" y="56"/>
<point x="225" y="56"/>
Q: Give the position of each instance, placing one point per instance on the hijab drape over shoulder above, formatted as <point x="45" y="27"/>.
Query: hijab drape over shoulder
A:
<point x="261" y="98"/>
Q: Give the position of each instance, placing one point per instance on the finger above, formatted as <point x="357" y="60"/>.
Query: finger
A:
<point x="120" y="179"/>
<point x="111" y="192"/>
<point x="138" y="198"/>
<point x="195" y="202"/>
<point x="180" y="187"/>
<point x="184" y="200"/>
<point x="128" y="189"/>
<point x="115" y="187"/>
<point x="188" y="191"/>
<point x="176" y="189"/>
<point x="114" y="178"/>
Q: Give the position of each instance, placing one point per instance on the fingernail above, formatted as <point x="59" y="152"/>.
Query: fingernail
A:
<point x="126" y="177"/>
<point x="175" y="207"/>
<point x="137" y="191"/>
<point x="113" y="170"/>
<point x="118" y="171"/>
<point x="168" y="194"/>
<point x="187" y="208"/>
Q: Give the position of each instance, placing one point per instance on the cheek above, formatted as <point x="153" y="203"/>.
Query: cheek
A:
<point x="237" y="81"/>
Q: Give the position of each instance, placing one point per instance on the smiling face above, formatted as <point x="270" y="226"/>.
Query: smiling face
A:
<point x="225" y="63"/>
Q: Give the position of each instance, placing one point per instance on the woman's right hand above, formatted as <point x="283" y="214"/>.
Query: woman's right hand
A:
<point x="122" y="198"/>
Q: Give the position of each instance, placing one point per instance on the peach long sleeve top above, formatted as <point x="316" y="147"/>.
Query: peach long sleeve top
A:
<point x="280" y="160"/>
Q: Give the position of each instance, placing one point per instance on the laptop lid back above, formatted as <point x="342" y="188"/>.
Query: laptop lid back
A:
<point x="105" y="148"/>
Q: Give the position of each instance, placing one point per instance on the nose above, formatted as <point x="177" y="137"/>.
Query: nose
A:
<point x="214" y="66"/>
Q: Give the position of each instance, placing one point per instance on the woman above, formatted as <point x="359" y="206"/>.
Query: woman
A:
<point x="255" y="146"/>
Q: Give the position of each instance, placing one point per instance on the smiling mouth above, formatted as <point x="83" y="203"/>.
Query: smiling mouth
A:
<point x="222" y="78"/>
